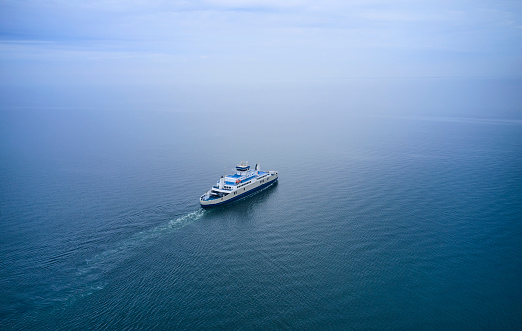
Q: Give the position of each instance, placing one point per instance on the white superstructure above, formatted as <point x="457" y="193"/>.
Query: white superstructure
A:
<point x="233" y="187"/>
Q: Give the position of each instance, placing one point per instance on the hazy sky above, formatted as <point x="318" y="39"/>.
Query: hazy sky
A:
<point x="160" y="43"/>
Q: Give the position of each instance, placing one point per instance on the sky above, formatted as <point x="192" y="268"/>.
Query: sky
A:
<point x="161" y="46"/>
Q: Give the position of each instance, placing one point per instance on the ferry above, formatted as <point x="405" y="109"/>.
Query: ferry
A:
<point x="233" y="187"/>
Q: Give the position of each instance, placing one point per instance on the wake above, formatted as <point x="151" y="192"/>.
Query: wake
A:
<point x="139" y="239"/>
<point x="91" y="274"/>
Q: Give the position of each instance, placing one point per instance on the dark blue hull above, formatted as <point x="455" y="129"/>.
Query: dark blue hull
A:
<point x="241" y="195"/>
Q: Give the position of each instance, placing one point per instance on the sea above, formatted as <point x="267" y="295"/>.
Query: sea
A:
<point x="378" y="221"/>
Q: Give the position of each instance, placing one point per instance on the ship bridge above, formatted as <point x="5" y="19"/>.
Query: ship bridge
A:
<point x="243" y="167"/>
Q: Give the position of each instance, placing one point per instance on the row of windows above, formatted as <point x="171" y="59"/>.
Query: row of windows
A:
<point x="236" y="191"/>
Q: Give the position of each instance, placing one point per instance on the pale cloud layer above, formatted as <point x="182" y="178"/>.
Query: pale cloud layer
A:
<point x="219" y="40"/>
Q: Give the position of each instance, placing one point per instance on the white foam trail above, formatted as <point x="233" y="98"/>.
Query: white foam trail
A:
<point x="185" y="220"/>
<point x="90" y="275"/>
<point x="141" y="237"/>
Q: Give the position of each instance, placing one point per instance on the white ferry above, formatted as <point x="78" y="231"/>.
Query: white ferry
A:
<point x="233" y="187"/>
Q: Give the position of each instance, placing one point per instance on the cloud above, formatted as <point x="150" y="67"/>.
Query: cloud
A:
<point x="402" y="16"/>
<point x="297" y="37"/>
<point x="256" y="3"/>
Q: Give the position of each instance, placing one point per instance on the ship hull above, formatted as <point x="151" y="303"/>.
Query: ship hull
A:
<point x="254" y="187"/>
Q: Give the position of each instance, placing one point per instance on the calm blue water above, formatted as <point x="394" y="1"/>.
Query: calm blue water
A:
<point x="376" y="222"/>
